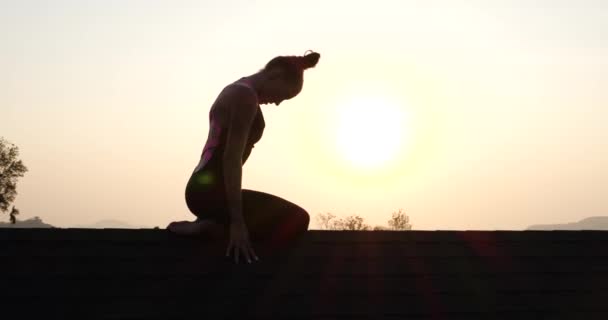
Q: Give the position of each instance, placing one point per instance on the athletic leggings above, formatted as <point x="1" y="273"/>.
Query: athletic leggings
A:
<point x="267" y="217"/>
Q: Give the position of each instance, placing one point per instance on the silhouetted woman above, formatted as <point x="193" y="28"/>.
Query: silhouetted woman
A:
<point x="236" y="123"/>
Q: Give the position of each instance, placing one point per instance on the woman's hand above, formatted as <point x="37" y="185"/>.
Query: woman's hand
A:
<point x="239" y="240"/>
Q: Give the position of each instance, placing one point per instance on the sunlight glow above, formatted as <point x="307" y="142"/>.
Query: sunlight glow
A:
<point x="370" y="131"/>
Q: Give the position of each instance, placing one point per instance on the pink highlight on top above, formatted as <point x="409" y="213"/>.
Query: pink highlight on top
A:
<point x="216" y="130"/>
<point x="213" y="141"/>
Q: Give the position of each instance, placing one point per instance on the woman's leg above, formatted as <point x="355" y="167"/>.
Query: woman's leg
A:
<point x="206" y="203"/>
<point x="198" y="227"/>
<point x="267" y="217"/>
<point x="272" y="218"/>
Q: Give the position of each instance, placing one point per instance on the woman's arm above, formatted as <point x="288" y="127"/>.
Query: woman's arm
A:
<point x="246" y="153"/>
<point x="241" y="119"/>
<point x="242" y="113"/>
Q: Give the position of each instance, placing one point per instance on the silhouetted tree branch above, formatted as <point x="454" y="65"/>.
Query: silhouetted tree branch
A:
<point x="353" y="222"/>
<point x="328" y="221"/>
<point x="325" y="221"/>
<point x="13" y="215"/>
<point x="399" y="221"/>
<point x="11" y="168"/>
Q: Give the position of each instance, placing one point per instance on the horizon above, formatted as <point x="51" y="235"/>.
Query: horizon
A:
<point x="499" y="107"/>
<point x="595" y="223"/>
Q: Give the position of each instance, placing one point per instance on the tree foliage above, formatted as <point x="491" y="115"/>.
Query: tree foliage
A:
<point x="13" y="215"/>
<point x="353" y="222"/>
<point x="399" y="221"/>
<point x="325" y="221"/>
<point x="328" y="221"/>
<point x="11" y="168"/>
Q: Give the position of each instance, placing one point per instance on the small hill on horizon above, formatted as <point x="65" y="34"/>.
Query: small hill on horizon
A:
<point x="109" y="224"/>
<point x="34" y="222"/>
<point x="591" y="223"/>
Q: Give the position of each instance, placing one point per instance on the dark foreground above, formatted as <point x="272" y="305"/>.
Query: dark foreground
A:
<point x="151" y="274"/>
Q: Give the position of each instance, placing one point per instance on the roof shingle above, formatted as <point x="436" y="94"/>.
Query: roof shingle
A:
<point x="152" y="274"/>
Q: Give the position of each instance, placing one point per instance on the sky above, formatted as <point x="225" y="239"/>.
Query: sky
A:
<point x="502" y="107"/>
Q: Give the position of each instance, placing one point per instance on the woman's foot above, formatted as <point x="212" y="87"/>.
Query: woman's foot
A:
<point x="199" y="227"/>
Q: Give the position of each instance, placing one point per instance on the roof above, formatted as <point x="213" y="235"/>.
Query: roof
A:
<point x="152" y="274"/>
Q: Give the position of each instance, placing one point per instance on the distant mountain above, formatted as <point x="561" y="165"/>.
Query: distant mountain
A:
<point x="591" y="223"/>
<point x="34" y="222"/>
<point x="110" y="224"/>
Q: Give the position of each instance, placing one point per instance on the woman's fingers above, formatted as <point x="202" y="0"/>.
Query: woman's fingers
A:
<point x="255" y="256"/>
<point x="243" y="248"/>
<point x="236" y="254"/>
<point x="229" y="248"/>
<point x="246" y="252"/>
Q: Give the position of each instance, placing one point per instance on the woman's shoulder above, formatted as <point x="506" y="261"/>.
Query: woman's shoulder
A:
<point x="234" y="98"/>
<point x="238" y="93"/>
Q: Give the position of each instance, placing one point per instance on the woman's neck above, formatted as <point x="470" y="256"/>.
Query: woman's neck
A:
<point x="256" y="82"/>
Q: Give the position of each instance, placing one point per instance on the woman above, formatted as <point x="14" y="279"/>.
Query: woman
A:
<point x="213" y="192"/>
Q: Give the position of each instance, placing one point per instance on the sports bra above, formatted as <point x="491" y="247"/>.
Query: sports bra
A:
<point x="218" y="134"/>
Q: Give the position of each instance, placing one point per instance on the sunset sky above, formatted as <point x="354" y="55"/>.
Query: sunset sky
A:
<point x="491" y="115"/>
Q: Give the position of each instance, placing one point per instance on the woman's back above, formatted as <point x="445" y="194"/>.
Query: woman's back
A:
<point x="219" y="117"/>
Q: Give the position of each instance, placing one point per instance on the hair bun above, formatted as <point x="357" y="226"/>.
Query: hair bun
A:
<point x="309" y="60"/>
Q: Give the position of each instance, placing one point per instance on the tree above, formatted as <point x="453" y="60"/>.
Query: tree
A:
<point x="325" y="220"/>
<point x="353" y="222"/>
<point x="328" y="221"/>
<point x="11" y="168"/>
<point x="13" y="215"/>
<point x="399" y="221"/>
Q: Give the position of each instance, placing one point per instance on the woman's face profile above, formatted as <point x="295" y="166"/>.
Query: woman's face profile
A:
<point x="279" y="90"/>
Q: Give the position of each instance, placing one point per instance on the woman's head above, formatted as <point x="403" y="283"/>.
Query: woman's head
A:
<point x="285" y="76"/>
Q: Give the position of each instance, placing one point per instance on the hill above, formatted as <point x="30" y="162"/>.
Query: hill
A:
<point x="34" y="222"/>
<point x="591" y="223"/>
<point x="109" y="224"/>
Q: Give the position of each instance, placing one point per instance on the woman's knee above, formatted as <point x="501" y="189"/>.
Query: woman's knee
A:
<point x="306" y="218"/>
<point x="272" y="207"/>
<point x="302" y="217"/>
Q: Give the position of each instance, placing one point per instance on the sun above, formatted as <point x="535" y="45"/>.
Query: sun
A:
<point x="370" y="131"/>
